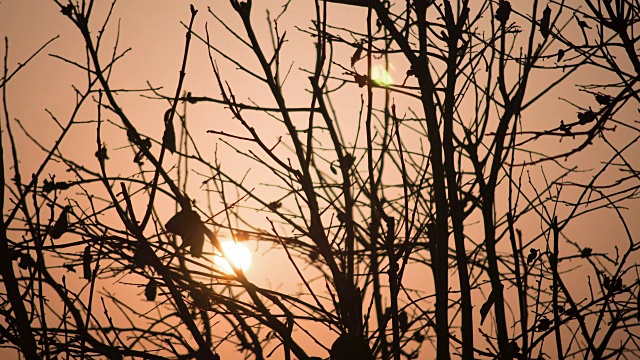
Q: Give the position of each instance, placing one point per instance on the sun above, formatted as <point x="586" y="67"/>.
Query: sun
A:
<point x="234" y="253"/>
<point x="381" y="76"/>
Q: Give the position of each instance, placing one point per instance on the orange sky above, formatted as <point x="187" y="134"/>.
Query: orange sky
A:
<point x="153" y="31"/>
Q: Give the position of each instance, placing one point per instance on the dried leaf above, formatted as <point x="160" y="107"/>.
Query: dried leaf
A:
<point x="357" y="55"/>
<point x="533" y="254"/>
<point x="583" y="24"/>
<point x="69" y="267"/>
<point x="503" y="12"/>
<point x="484" y="310"/>
<point x="67" y="10"/>
<point x="189" y="227"/>
<point x="86" y="262"/>
<point x="200" y="299"/>
<point x="151" y="290"/>
<point x="196" y="241"/>
<point x="273" y="206"/>
<point x="50" y="186"/>
<point x="543" y="324"/>
<point x="62" y="224"/>
<point x="350" y="347"/>
<point x="360" y="79"/>
<point x="560" y="55"/>
<point x="418" y="336"/>
<point x="347" y="161"/>
<point x="101" y="154"/>
<point x="26" y="261"/>
<point x="586" y="252"/>
<point x="169" y="137"/>
<point x="403" y="319"/>
<point x="603" y="99"/>
<point x="139" y="259"/>
<point x="544" y="22"/>
<point x="586" y="117"/>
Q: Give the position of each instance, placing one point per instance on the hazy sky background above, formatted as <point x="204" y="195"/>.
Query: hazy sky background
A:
<point x="153" y="31"/>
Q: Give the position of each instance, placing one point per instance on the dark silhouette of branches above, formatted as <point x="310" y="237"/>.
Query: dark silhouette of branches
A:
<point x="423" y="195"/>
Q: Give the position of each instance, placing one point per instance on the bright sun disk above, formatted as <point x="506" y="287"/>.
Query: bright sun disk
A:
<point x="235" y="253"/>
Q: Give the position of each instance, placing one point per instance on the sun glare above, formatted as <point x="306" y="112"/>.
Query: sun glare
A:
<point x="381" y="76"/>
<point x="235" y="253"/>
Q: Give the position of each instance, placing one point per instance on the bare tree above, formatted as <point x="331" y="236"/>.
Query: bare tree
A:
<point x="432" y="214"/>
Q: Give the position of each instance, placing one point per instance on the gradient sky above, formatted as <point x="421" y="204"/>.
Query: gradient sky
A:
<point x="152" y="29"/>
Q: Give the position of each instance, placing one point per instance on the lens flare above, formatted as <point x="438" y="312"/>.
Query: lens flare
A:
<point x="234" y="253"/>
<point x="381" y="76"/>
